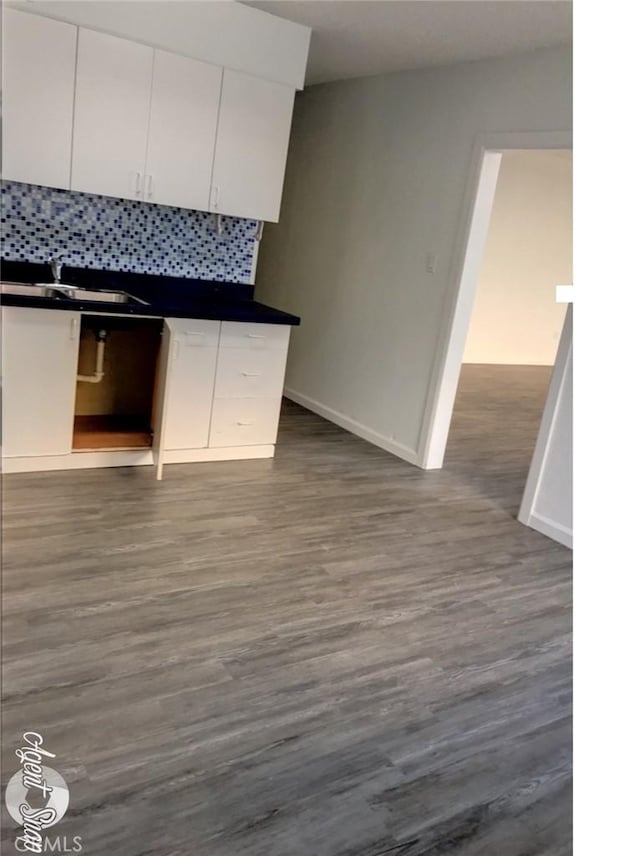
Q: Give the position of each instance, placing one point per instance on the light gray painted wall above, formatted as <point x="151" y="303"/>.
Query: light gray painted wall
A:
<point x="376" y="177"/>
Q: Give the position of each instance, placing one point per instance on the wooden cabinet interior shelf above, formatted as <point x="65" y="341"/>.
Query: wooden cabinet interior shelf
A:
<point x="111" y="432"/>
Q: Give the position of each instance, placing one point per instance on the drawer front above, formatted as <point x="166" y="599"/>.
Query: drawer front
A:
<point x="247" y="373"/>
<point x="258" y="337"/>
<point x="195" y="332"/>
<point x="244" y="421"/>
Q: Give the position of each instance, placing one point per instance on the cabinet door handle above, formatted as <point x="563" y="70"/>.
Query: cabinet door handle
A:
<point x="245" y="422"/>
<point x="138" y="184"/>
<point x="216" y="195"/>
<point x="73" y="330"/>
<point x="149" y="179"/>
<point x="251" y="374"/>
<point x="255" y="336"/>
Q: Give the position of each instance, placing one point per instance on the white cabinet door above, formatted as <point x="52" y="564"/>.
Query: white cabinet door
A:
<point x="39" y="368"/>
<point x="251" y="147"/>
<point x="192" y="369"/>
<point x="39" y="72"/>
<point x="161" y="394"/>
<point x="113" y="90"/>
<point x="182" y="131"/>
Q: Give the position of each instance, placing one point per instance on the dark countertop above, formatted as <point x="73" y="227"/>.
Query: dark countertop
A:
<point x="165" y="296"/>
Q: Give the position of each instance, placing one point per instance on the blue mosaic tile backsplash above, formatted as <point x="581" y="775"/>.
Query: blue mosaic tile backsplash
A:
<point x="122" y="235"/>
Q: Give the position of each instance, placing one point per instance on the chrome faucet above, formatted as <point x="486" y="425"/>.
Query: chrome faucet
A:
<point x="55" y="263"/>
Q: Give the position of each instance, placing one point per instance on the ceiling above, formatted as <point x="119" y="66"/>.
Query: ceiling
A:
<point x="356" y="38"/>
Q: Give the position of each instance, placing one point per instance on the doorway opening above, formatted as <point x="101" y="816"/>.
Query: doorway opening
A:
<point x="515" y="325"/>
<point x="506" y="325"/>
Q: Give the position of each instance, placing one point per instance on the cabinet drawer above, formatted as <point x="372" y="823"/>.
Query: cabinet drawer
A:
<point x="246" y="373"/>
<point x="235" y="334"/>
<point x="195" y="332"/>
<point x="244" y="421"/>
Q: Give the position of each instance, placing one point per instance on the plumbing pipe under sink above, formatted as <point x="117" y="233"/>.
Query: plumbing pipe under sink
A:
<point x="96" y="377"/>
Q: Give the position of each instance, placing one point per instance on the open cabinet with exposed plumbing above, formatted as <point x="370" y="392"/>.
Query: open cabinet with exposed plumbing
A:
<point x="83" y="389"/>
<point x="115" y="384"/>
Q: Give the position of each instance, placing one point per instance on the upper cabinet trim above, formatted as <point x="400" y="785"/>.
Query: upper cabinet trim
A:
<point x="222" y="33"/>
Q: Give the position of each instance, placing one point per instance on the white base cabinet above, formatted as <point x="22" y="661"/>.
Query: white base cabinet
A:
<point x="39" y="367"/>
<point x="224" y="385"/>
<point x="249" y="382"/>
<point x="217" y="395"/>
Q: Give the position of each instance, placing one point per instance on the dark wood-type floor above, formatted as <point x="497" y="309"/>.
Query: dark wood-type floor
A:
<point x="328" y="654"/>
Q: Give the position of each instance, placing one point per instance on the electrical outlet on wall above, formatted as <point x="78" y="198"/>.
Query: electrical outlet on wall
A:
<point x="432" y="262"/>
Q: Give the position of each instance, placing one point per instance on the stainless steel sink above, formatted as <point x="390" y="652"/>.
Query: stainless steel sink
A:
<point x="70" y="292"/>
<point x="95" y="294"/>
<point x="56" y="287"/>
<point x="23" y="288"/>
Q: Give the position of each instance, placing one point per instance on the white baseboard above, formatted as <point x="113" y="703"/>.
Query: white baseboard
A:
<point x="550" y="528"/>
<point x="349" y="424"/>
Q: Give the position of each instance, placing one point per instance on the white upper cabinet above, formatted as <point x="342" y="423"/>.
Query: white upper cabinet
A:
<point x="113" y="90"/>
<point x="251" y="148"/>
<point x="97" y="113"/>
<point x="39" y="69"/>
<point x="185" y="98"/>
<point x="145" y="123"/>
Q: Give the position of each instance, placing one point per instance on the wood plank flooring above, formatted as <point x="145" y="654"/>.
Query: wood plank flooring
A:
<point x="331" y="653"/>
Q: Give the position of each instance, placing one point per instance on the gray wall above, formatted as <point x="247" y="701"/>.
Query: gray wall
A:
<point x="376" y="179"/>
